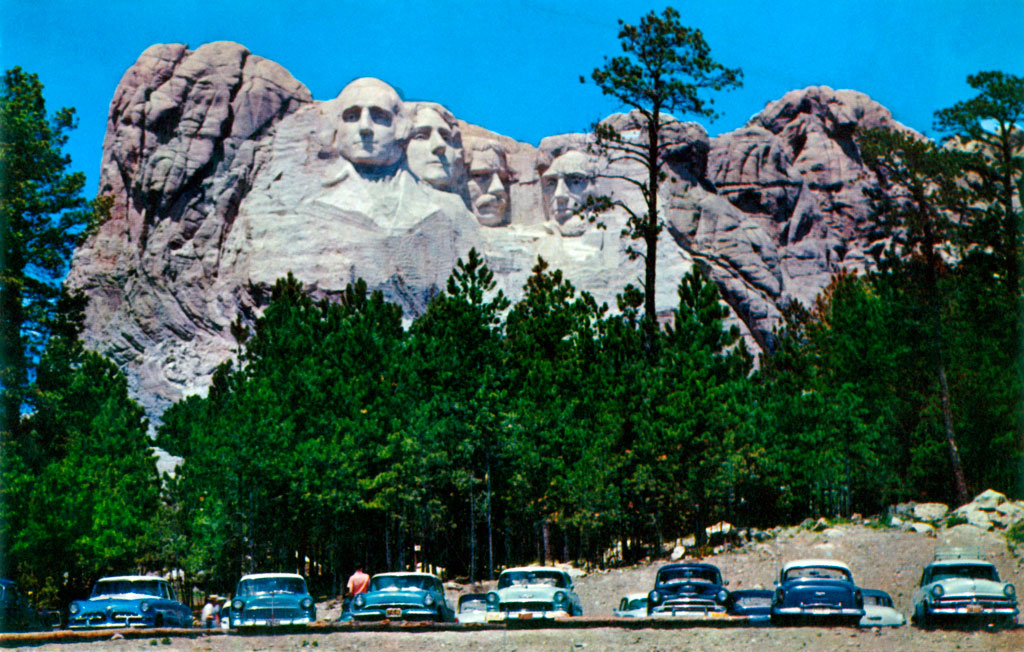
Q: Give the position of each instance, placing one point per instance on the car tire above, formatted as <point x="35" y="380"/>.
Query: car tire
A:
<point x="920" y="617"/>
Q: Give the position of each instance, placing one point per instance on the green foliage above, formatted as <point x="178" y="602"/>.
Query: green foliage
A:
<point x="43" y="215"/>
<point x="665" y="67"/>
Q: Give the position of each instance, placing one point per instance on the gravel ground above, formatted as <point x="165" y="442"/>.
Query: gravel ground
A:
<point x="880" y="558"/>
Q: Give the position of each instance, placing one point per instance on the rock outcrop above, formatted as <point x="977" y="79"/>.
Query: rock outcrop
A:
<point x="227" y="175"/>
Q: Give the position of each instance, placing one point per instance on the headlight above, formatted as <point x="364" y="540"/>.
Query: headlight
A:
<point x="74" y="609"/>
<point x="428" y="600"/>
<point x="237" y="605"/>
<point x="654" y="597"/>
<point x="938" y="591"/>
<point x="560" y="596"/>
<point x="492" y="597"/>
<point x="1008" y="590"/>
<point x="359" y="602"/>
<point x="723" y="595"/>
<point x="306" y="603"/>
<point x="145" y="606"/>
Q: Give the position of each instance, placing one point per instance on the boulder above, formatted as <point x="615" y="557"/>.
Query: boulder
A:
<point x="930" y="512"/>
<point x="922" y="528"/>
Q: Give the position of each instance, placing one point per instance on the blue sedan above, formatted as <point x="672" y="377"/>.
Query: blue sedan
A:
<point x="130" y="601"/>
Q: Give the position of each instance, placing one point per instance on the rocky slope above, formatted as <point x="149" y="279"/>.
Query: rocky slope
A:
<point x="226" y="175"/>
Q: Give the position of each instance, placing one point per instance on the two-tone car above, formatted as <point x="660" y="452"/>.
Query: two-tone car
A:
<point x="633" y="605"/>
<point x="961" y="587"/>
<point x="272" y="600"/>
<point x="879" y="610"/>
<point x="689" y="589"/>
<point x="534" y="592"/>
<point x="818" y="592"/>
<point x="130" y="601"/>
<point x="403" y="596"/>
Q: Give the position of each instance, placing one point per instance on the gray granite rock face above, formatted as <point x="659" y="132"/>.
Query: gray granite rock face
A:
<point x="226" y="175"/>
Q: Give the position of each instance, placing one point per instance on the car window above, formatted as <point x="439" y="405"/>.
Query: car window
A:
<point x="816" y="572"/>
<point x="533" y="578"/>
<point x="639" y="603"/>
<point x="969" y="571"/>
<point x="472" y="603"/>
<point x="688" y="575"/>
<point x="119" y="587"/>
<point x="754" y="601"/>
<point x="253" y="586"/>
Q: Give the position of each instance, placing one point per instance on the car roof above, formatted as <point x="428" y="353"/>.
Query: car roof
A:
<point x="876" y="592"/>
<point x="961" y="562"/>
<point x="534" y="569"/>
<point x="130" y="578"/>
<point x="407" y="574"/>
<point x="826" y="563"/>
<point x="263" y="576"/>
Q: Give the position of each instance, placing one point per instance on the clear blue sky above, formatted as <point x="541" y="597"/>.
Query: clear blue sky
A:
<point x="513" y="66"/>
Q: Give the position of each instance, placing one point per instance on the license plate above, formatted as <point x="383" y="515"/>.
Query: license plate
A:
<point x="524" y="616"/>
<point x="394" y="612"/>
<point x="974" y="609"/>
<point x="820" y="611"/>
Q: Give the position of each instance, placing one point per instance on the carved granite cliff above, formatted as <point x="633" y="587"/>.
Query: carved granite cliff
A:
<point x="227" y="175"/>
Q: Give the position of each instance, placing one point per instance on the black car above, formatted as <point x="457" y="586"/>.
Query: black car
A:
<point x="753" y="604"/>
<point x="688" y="589"/>
<point x="16" y="614"/>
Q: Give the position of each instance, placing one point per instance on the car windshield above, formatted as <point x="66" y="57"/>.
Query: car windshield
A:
<point x="818" y="573"/>
<point x="689" y="574"/>
<point x="531" y="578"/>
<point x="399" y="582"/>
<point x="754" y="601"/>
<point x="969" y="571"/>
<point x="256" y="585"/>
<point x="637" y="603"/>
<point x="877" y="600"/>
<point x="472" y="603"/>
<point x="121" y="587"/>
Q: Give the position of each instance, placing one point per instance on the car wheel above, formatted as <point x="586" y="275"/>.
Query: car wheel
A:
<point x="158" y="621"/>
<point x="920" y="617"/>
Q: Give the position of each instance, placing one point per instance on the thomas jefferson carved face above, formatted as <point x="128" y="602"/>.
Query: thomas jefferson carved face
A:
<point x="488" y="189"/>
<point x="566" y="185"/>
<point x="434" y="153"/>
<point x="371" y="133"/>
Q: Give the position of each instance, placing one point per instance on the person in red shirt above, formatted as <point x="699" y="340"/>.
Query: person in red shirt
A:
<point x="358" y="583"/>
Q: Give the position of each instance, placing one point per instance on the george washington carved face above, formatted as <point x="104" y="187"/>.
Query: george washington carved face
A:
<point x="373" y="125"/>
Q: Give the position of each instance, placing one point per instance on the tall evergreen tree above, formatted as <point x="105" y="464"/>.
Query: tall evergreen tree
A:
<point x="665" y="67"/>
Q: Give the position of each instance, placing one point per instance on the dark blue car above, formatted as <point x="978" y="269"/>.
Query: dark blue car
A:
<point x="130" y="601"/>
<point x="693" y="589"/>
<point x="817" y="592"/>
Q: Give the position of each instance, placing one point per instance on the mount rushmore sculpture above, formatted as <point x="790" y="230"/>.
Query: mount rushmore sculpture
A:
<point x="226" y="175"/>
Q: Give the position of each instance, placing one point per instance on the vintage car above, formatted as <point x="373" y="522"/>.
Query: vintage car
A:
<point x="272" y="600"/>
<point x="472" y="608"/>
<point x="959" y="586"/>
<point x="690" y="589"/>
<point x="130" y="601"/>
<point x="16" y="614"/>
<point x="534" y="592"/>
<point x="403" y="596"/>
<point x="879" y="610"/>
<point x="816" y="591"/>
<point x="633" y="605"/>
<point x="755" y="605"/>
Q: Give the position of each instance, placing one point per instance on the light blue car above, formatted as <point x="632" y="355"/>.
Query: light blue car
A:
<point x="130" y="601"/>
<point x="403" y="596"/>
<point x="534" y="592"/>
<point x="272" y="600"/>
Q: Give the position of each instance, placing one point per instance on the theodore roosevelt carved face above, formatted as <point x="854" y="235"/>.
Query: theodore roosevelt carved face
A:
<point x="373" y="125"/>
<point x="434" y="153"/>
<point x="488" y="184"/>
<point x="566" y="185"/>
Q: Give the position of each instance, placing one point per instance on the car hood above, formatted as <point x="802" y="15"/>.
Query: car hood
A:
<point x="966" y="586"/>
<point x="120" y="599"/>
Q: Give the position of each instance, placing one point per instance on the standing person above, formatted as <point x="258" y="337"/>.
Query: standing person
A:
<point x="358" y="583"/>
<point x="208" y="615"/>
